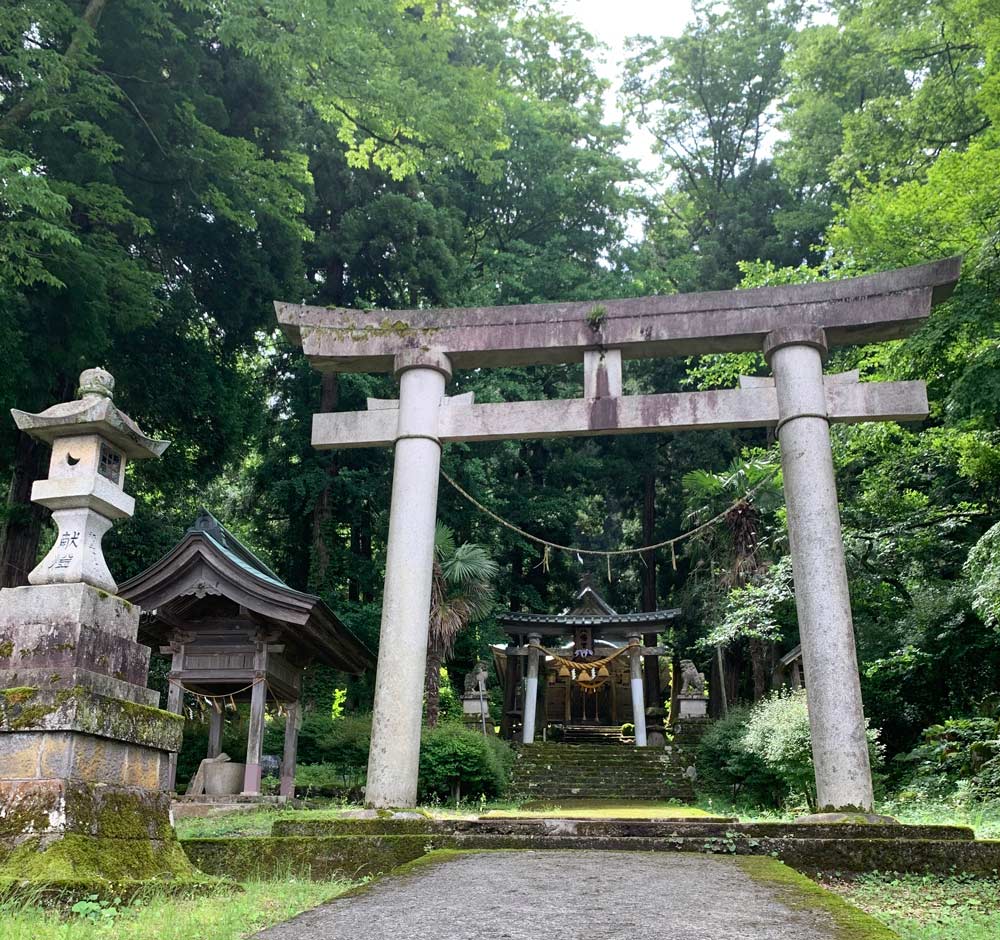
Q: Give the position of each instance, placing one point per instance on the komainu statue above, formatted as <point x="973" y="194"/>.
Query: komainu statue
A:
<point x="693" y="681"/>
<point x="475" y="681"/>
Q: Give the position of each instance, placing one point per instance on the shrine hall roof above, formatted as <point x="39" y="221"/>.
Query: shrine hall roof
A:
<point x="210" y="560"/>
<point x="589" y="610"/>
<point x="517" y="618"/>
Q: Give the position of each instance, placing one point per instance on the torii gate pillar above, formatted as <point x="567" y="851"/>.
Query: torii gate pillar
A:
<point x="822" y="599"/>
<point x="409" y="565"/>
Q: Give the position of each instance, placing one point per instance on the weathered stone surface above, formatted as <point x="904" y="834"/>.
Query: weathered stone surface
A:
<point x="33" y="755"/>
<point x="93" y="413"/>
<point x="108" y="686"/>
<point x="81" y="710"/>
<point x="55" y="807"/>
<point x="58" y="606"/>
<point x="856" y="310"/>
<point x="61" y="647"/>
<point x="630" y="414"/>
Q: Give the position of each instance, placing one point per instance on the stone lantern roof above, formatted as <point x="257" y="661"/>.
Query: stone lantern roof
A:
<point x="94" y="412"/>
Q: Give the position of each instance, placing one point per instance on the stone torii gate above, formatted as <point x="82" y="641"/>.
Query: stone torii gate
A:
<point x="794" y="326"/>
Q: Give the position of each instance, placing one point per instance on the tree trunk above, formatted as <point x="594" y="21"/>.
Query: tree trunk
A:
<point x="22" y="527"/>
<point x="323" y="510"/>
<point x="758" y="665"/>
<point x="432" y="685"/>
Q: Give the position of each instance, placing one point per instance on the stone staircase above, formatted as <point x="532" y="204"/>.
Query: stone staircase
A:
<point x="548" y="772"/>
<point x="594" y="734"/>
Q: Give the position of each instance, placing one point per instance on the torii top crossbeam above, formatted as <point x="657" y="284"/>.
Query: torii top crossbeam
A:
<point x="851" y="311"/>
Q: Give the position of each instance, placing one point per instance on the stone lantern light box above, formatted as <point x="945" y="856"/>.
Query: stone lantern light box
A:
<point x="92" y="442"/>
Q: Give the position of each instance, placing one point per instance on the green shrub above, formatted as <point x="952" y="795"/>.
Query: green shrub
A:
<point x="453" y="757"/>
<point x="342" y="741"/>
<point x="777" y="735"/>
<point x="986" y="784"/>
<point x="725" y="767"/>
<point x="763" y="754"/>
<point x="957" y="750"/>
<point x="330" y="780"/>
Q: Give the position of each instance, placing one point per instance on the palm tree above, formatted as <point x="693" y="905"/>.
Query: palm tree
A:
<point x="461" y="593"/>
<point x="734" y="551"/>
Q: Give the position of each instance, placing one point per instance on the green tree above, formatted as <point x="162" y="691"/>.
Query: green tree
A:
<point x="735" y="553"/>
<point x="462" y="592"/>
<point x="709" y="98"/>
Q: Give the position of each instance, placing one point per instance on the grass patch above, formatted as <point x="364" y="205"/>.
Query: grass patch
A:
<point x="927" y="907"/>
<point x="259" y="822"/>
<point x="800" y="893"/>
<point x="983" y="818"/>
<point x="222" y="915"/>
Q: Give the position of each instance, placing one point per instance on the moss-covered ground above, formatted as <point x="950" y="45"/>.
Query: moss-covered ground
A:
<point x="259" y="822"/>
<point x="601" y="809"/>
<point x="223" y="915"/>
<point x="983" y="818"/>
<point x="927" y="907"/>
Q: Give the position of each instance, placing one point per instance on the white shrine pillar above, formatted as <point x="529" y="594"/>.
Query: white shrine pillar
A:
<point x="638" y="693"/>
<point x="406" y="601"/>
<point x="531" y="689"/>
<point x="822" y="600"/>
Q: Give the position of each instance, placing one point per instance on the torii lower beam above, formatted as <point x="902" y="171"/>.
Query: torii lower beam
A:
<point x="793" y="325"/>
<point x="846" y="402"/>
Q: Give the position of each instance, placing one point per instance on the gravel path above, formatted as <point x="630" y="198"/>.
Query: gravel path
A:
<point x="578" y="895"/>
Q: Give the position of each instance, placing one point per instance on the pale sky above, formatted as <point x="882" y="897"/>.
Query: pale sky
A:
<point x="611" y="22"/>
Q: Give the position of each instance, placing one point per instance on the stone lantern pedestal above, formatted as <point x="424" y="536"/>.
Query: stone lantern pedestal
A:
<point x="84" y="749"/>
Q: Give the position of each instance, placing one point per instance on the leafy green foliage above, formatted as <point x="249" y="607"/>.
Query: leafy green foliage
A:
<point x="983" y="569"/>
<point x="455" y="759"/>
<point x="762" y="755"/>
<point x="726" y="768"/>
<point x="955" y="753"/>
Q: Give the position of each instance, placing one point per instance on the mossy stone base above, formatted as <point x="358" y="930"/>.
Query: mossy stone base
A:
<point x="79" y="709"/>
<point x="79" y="864"/>
<point x="57" y="807"/>
<point x="353" y="827"/>
<point x="313" y="857"/>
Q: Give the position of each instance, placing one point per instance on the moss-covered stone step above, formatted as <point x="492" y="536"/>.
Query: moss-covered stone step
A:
<point x="701" y="828"/>
<point x="316" y="857"/>
<point x="941" y="856"/>
<point x="79" y="864"/>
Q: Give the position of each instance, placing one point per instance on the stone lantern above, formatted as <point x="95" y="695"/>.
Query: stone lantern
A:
<point x="91" y="443"/>
<point x="84" y="747"/>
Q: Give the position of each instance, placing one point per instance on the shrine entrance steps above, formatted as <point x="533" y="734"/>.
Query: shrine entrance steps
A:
<point x="595" y="734"/>
<point x="554" y="772"/>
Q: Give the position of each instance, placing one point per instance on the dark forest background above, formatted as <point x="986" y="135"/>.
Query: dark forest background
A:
<point x="168" y="169"/>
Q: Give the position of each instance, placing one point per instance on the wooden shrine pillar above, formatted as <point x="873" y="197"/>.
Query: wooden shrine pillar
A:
<point x="216" y="718"/>
<point x="175" y="703"/>
<point x="258" y="702"/>
<point x="293" y="722"/>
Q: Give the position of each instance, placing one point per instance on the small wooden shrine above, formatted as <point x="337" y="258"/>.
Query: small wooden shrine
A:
<point x="591" y="675"/>
<point x="237" y="633"/>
